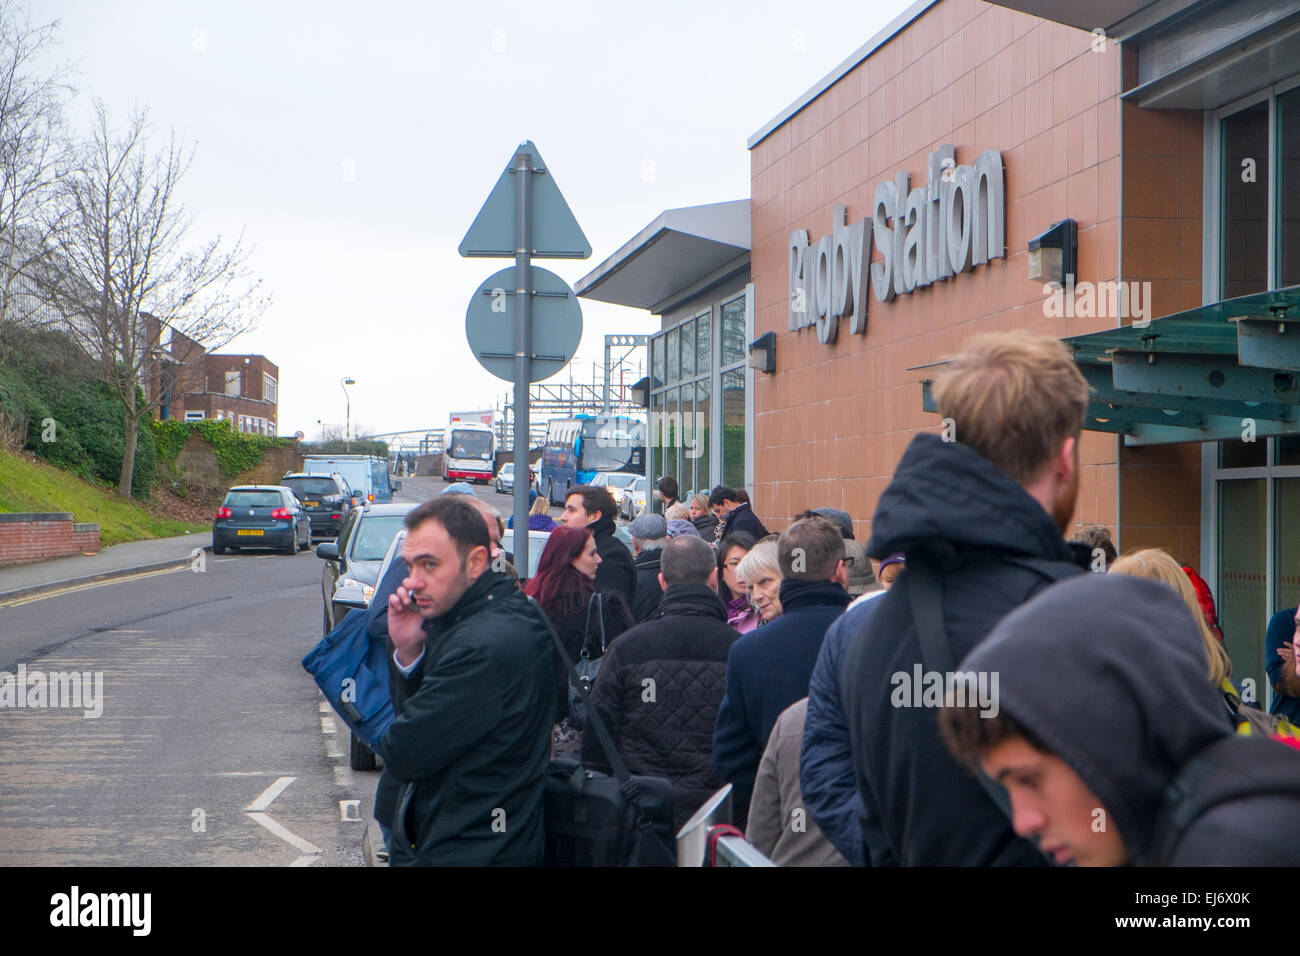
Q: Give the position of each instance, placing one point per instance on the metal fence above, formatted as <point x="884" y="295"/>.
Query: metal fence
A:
<point x="730" y="850"/>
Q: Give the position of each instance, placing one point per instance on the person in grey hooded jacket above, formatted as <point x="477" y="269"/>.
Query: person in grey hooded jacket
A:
<point x="1101" y="705"/>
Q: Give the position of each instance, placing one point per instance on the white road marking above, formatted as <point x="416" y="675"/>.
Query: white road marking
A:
<point x="295" y="841"/>
<point x="269" y="794"/>
<point x="350" y="811"/>
<point x="333" y="750"/>
<point x="304" y="861"/>
<point x="327" y="726"/>
<point x="343" y="776"/>
<point x="325" y="708"/>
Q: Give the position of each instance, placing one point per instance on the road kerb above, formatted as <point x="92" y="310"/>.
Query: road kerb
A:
<point x="35" y="589"/>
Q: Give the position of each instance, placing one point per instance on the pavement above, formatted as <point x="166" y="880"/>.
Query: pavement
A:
<point x="120" y="560"/>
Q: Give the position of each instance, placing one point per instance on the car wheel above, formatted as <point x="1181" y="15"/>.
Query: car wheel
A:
<point x="292" y="547"/>
<point x="360" y="756"/>
<point x="218" y="549"/>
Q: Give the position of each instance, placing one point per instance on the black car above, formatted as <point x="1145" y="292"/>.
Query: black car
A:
<point x="327" y="499"/>
<point x="355" y="558"/>
<point x="261" y="516"/>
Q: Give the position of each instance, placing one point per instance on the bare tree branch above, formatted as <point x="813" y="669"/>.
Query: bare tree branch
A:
<point x="124" y="256"/>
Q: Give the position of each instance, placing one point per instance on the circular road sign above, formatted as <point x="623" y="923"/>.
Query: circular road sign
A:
<point x="556" y="320"/>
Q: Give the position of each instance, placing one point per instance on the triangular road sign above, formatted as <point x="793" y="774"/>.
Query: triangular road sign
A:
<point x="555" y="232"/>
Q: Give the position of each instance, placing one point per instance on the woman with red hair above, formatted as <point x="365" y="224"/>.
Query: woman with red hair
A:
<point x="564" y="586"/>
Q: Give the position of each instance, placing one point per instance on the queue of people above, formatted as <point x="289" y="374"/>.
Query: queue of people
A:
<point x="807" y="670"/>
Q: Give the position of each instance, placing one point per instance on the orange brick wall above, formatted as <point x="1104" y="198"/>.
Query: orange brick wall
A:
<point x="1160" y="486"/>
<point x="34" y="537"/>
<point x="832" y="423"/>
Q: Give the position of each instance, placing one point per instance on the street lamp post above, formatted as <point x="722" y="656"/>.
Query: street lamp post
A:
<point x="347" y="428"/>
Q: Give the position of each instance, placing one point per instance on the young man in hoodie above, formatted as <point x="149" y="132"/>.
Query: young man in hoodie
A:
<point x="769" y="668"/>
<point x="590" y="506"/>
<point x="1088" y="762"/>
<point x="981" y="520"/>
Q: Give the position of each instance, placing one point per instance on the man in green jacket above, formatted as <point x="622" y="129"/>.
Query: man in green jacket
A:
<point x="473" y="676"/>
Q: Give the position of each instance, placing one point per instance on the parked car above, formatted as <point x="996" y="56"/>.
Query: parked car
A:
<point x="505" y="479"/>
<point x="504" y="482"/>
<point x="327" y="498"/>
<point x="617" y="482"/>
<point x="633" y="502"/>
<point x="261" y="516"/>
<point x="355" y="558"/>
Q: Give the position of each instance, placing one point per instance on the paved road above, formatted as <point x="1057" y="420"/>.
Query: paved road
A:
<point x="205" y="709"/>
<point x="205" y="706"/>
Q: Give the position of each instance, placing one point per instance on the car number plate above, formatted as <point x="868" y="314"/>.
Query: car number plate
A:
<point x="257" y="532"/>
<point x="311" y="504"/>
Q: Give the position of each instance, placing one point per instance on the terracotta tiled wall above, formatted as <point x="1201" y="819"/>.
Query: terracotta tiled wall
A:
<point x="831" y="425"/>
<point x="1160" y="486"/>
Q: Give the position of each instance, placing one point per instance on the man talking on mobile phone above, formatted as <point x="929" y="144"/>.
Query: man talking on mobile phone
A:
<point x="473" y="677"/>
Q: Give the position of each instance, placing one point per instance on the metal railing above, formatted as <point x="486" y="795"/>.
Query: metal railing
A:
<point x="693" y="838"/>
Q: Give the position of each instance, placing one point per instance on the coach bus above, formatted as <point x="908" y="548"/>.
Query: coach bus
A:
<point x="469" y="452"/>
<point x="577" y="448"/>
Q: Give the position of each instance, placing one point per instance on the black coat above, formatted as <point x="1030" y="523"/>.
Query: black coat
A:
<point x="767" y="671"/>
<point x="616" y="571"/>
<point x="742" y="518"/>
<point x="648" y="589"/>
<point x="571" y="624"/>
<point x="918" y="802"/>
<point x="705" y="524"/>
<point x="683" y="649"/>
<point x="471" y="742"/>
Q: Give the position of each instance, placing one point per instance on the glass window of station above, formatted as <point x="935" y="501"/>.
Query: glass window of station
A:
<point x="693" y="437"/>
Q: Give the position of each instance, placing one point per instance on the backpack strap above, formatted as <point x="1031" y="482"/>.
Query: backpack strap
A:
<point x="626" y="784"/>
<point x="925" y="590"/>
<point x="1232" y="768"/>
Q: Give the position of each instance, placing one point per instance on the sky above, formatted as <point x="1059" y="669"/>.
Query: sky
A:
<point x="352" y="145"/>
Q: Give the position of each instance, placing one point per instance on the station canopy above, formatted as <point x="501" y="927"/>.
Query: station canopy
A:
<point x="1205" y="374"/>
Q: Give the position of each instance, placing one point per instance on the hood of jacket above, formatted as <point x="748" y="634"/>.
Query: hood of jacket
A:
<point x="1109" y="673"/>
<point x="697" y="599"/>
<point x="796" y="594"/>
<point x="648" y="560"/>
<point x="945" y="492"/>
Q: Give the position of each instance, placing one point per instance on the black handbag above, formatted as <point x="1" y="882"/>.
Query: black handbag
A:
<point x="586" y="668"/>
<point x="593" y="819"/>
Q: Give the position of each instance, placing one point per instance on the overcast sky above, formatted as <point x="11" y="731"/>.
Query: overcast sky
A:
<point x="354" y="143"/>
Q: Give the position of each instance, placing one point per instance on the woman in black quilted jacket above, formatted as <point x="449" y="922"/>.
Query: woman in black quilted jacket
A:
<point x="564" y="586"/>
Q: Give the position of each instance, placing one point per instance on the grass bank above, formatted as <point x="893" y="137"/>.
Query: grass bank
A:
<point x="27" y="485"/>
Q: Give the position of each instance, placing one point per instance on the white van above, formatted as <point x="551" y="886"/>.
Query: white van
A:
<point x="368" y="476"/>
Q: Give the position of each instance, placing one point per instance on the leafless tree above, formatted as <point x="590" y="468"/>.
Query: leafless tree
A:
<point x="125" y="255"/>
<point x="33" y="158"/>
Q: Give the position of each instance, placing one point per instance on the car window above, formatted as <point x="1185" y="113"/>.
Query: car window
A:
<point x="346" y="531"/>
<point x="373" y="535"/>
<point x="311" y="486"/>
<point x="621" y="481"/>
<point x="253" y="499"/>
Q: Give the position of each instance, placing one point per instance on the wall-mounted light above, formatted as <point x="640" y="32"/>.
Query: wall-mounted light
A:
<point x="1055" y="254"/>
<point x="639" y="392"/>
<point x="762" y="353"/>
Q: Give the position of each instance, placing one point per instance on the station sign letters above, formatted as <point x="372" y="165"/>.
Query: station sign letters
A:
<point x="956" y="221"/>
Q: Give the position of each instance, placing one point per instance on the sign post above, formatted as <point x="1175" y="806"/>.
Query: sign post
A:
<point x="525" y="216"/>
